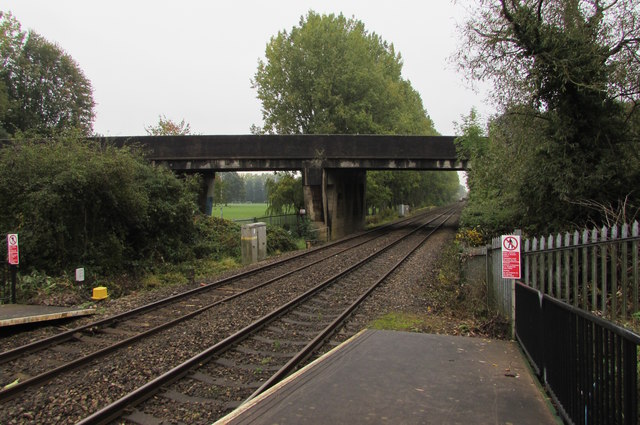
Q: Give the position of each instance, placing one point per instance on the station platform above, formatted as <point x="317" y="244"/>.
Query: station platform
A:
<point x="19" y="314"/>
<point x="380" y="377"/>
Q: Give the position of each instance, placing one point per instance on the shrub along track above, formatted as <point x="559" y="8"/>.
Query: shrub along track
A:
<point x="100" y="381"/>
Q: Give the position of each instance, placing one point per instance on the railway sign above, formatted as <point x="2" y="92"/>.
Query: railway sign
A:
<point x="12" y="249"/>
<point x="511" y="264"/>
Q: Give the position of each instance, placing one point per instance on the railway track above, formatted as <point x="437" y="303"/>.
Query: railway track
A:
<point x="250" y="361"/>
<point x="121" y="331"/>
<point x="73" y="348"/>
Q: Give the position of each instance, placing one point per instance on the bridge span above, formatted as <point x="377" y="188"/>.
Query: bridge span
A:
<point x="333" y="166"/>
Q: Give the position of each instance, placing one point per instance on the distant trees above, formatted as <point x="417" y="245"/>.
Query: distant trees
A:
<point x="229" y="187"/>
<point x="567" y="79"/>
<point x="254" y="187"/>
<point x="168" y="127"/>
<point x="42" y="89"/>
<point x="386" y="189"/>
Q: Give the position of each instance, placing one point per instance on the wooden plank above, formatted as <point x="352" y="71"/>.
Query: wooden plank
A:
<point x="527" y="259"/>
<point x="550" y="267"/>
<point x="603" y="270"/>
<point x="594" y="270"/>
<point x="613" y="283"/>
<point x="534" y="266"/>
<point x="576" y="268"/>
<point x="543" y="288"/>
<point x="585" y="269"/>
<point x="634" y="262"/>
<point x="558" y="245"/>
<point x="624" y="258"/>
<point x="567" y="269"/>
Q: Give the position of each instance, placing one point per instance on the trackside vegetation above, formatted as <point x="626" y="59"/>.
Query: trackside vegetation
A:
<point x="562" y="153"/>
<point x="77" y="203"/>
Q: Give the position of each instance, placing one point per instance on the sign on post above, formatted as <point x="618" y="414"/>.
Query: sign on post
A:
<point x="511" y="264"/>
<point x="12" y="249"/>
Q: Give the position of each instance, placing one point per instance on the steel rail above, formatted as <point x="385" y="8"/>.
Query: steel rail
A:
<point x="14" y="390"/>
<point x="310" y="348"/>
<point x="115" y="409"/>
<point x="35" y="346"/>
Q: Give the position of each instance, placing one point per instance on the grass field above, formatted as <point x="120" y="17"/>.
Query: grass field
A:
<point x="240" y="211"/>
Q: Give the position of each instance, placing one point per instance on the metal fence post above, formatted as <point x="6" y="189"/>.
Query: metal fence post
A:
<point x="14" y="274"/>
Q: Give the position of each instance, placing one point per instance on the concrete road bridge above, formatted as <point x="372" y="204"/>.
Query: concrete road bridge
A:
<point x="333" y="166"/>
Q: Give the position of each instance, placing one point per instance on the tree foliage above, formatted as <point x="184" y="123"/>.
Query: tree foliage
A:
<point x="168" y="127"/>
<point x="284" y="194"/>
<point x="329" y="75"/>
<point x="76" y="202"/>
<point x="42" y="90"/>
<point x="234" y="186"/>
<point x="567" y="79"/>
<point x="386" y="189"/>
<point x="255" y="190"/>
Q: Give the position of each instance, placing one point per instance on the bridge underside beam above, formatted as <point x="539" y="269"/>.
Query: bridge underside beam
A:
<point x="296" y="164"/>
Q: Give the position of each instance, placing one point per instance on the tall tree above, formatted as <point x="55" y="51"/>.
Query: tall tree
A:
<point x="46" y="90"/>
<point x="329" y="75"/>
<point x="571" y="66"/>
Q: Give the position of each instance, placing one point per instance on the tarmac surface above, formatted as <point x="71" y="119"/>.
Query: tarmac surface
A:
<point x="386" y="377"/>
<point x="18" y="314"/>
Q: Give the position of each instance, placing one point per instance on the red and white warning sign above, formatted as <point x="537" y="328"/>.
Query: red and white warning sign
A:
<point x="12" y="249"/>
<point x="511" y="268"/>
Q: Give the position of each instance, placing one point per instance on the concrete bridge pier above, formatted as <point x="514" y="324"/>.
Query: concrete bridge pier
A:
<point x="207" y="192"/>
<point x="312" y="184"/>
<point x="334" y="199"/>
<point x="344" y="192"/>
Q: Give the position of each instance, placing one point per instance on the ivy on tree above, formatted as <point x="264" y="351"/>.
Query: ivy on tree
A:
<point x="567" y="81"/>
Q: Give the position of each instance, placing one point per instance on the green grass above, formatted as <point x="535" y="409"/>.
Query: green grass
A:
<point x="240" y="211"/>
<point x="397" y="321"/>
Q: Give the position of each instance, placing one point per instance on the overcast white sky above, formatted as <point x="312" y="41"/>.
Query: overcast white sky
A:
<point x="194" y="60"/>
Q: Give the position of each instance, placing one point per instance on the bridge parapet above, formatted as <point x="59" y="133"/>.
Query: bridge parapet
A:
<point x="296" y="152"/>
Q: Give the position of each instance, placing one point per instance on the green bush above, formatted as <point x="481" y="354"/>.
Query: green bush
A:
<point x="75" y="202"/>
<point x="279" y="240"/>
<point x="216" y="238"/>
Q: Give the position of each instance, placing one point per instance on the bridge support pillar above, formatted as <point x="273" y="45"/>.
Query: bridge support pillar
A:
<point x="312" y="189"/>
<point x="334" y="199"/>
<point x="207" y="193"/>
<point x="343" y="195"/>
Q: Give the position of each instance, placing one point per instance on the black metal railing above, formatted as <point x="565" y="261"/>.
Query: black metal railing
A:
<point x="529" y="325"/>
<point x="275" y="220"/>
<point x="589" y="365"/>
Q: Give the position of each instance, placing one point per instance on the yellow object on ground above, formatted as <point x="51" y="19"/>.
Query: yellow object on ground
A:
<point x="99" y="293"/>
